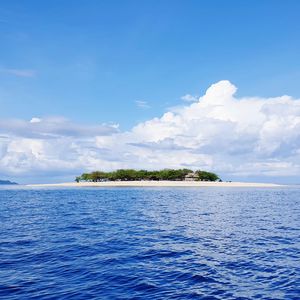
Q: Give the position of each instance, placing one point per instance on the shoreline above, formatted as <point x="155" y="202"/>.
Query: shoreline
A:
<point x="157" y="184"/>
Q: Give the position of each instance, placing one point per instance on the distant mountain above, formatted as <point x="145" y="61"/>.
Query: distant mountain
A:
<point x="7" y="182"/>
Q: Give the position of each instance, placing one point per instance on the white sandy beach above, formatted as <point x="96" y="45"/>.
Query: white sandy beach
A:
<point x="157" y="184"/>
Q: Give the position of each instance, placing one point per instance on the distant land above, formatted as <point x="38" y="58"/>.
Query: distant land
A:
<point x="154" y="175"/>
<point x="154" y="178"/>
<point x="7" y="182"/>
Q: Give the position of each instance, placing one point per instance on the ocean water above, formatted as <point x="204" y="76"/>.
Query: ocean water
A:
<point x="150" y="243"/>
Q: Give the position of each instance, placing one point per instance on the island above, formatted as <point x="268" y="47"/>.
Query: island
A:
<point x="143" y="178"/>
<point x="7" y="182"/>
<point x="142" y="175"/>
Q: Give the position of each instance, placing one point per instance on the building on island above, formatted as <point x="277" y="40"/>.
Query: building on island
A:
<point x="191" y="177"/>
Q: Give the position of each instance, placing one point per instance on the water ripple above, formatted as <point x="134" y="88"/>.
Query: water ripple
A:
<point x="150" y="243"/>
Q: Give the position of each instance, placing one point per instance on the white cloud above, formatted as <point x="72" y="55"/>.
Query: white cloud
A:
<point x="222" y="133"/>
<point x="52" y="127"/>
<point x="231" y="136"/>
<point x="189" y="98"/>
<point x="35" y="120"/>
<point x="47" y="146"/>
<point x="142" y="104"/>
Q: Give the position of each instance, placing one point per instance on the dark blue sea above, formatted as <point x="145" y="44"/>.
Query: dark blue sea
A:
<point x="150" y="243"/>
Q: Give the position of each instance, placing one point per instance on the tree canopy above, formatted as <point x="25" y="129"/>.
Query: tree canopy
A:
<point x="133" y="175"/>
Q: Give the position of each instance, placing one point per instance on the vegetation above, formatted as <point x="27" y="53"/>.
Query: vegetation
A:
<point x="132" y="175"/>
<point x="207" y="176"/>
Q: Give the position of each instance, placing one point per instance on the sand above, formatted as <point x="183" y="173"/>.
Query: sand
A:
<point x="157" y="184"/>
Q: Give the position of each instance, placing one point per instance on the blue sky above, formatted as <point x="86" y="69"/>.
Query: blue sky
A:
<point x="93" y="59"/>
<point x="126" y="62"/>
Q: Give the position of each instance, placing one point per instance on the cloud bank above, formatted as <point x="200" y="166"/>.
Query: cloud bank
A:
<point x="235" y="137"/>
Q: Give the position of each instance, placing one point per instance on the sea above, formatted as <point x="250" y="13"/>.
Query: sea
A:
<point x="149" y="243"/>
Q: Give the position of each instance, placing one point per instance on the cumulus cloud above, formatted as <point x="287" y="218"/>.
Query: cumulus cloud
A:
<point x="246" y="136"/>
<point x="232" y="136"/>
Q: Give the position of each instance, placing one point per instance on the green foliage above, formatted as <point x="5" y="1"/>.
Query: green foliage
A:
<point x="207" y="176"/>
<point x="131" y="174"/>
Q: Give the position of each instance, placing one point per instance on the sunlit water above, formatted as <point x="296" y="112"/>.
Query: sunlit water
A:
<point x="150" y="243"/>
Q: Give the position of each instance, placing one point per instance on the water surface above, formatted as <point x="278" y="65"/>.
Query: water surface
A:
<point x="150" y="243"/>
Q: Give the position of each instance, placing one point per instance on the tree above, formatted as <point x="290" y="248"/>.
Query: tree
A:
<point x="97" y="176"/>
<point x="206" y="176"/>
<point x="86" y="177"/>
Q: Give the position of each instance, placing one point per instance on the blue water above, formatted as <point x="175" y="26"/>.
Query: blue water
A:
<point x="151" y="243"/>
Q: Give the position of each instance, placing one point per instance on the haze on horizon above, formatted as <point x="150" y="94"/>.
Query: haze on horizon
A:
<point x="104" y="85"/>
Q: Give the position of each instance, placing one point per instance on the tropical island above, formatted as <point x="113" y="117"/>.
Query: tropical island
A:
<point x="7" y="182"/>
<point x="142" y="175"/>
<point x="144" y="178"/>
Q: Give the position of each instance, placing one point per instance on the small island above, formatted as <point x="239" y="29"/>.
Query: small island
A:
<point x="142" y="175"/>
<point x="7" y="182"/>
<point x="144" y="178"/>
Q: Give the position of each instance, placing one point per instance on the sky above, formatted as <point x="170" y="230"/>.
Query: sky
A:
<point x="88" y="85"/>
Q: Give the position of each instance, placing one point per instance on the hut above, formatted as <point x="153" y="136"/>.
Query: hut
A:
<point x="191" y="177"/>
